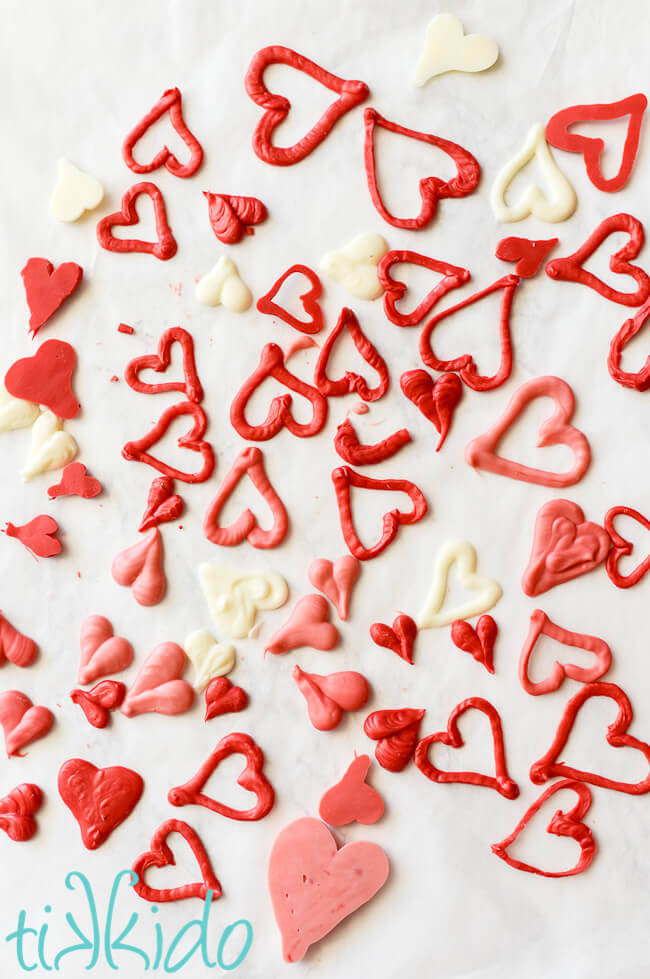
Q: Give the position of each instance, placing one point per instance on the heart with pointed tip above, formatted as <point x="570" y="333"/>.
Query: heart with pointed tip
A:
<point x="307" y="625"/>
<point x="21" y="722"/>
<point x="328" y="697"/>
<point x="140" y="567"/>
<point x="396" y="733"/>
<point x="528" y="253"/>
<point x="221" y="697"/>
<point x="400" y="638"/>
<point x="98" y="798"/>
<point x="47" y="288"/>
<point x="17" y="810"/>
<point x="163" y="504"/>
<point x="46" y="378"/>
<point x="158" y="687"/>
<point x="437" y="400"/>
<point x="160" y="855"/>
<point x="336" y="580"/>
<point x="102" y="652"/>
<point x="479" y="641"/>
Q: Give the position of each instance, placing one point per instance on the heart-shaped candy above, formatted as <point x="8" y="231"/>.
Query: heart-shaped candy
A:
<point x="102" y="652"/>
<point x="541" y="625"/>
<point x="565" y="546"/>
<point x="163" y="504"/>
<point x="462" y="554"/>
<point x="328" y="697"/>
<point x="234" y="597"/>
<point x="526" y="252"/>
<point x="17" y="810"/>
<point x="98" y="798"/>
<point x="160" y="855"/>
<point x="639" y="380"/>
<point x="158" y="687"/>
<point x="233" y="217"/>
<point x="223" y="286"/>
<point x="159" y="362"/>
<point x="351" y="383"/>
<point x="448" y="48"/>
<point x="46" y="378"/>
<point x="479" y="641"/>
<point x="75" y="481"/>
<point x="352" y="800"/>
<point x="561" y="200"/>
<point x="169" y="102"/>
<point x="453" y="276"/>
<point x="140" y="567"/>
<point x="436" y="400"/>
<point x="21" y="722"/>
<point x="622" y="547"/>
<point x="249" y="462"/>
<point x="105" y="696"/>
<point x="396" y="733"/>
<point x="165" y="245"/>
<point x="51" y="447"/>
<point x="39" y="535"/>
<point x="336" y="580"/>
<point x="400" y="638"/>
<point x="307" y="625"/>
<point x="75" y="192"/>
<point x="137" y="451"/>
<point x="47" y="288"/>
<point x="309" y="301"/>
<point x="221" y="697"/>
<point x="14" y="646"/>
<point x="208" y="657"/>
<point x="355" y="265"/>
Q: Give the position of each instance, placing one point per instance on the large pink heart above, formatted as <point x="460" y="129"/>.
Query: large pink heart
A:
<point x="102" y="652"/>
<point x="21" y="722"/>
<point x="565" y="546"/>
<point x="314" y="886"/>
<point x="158" y="686"/>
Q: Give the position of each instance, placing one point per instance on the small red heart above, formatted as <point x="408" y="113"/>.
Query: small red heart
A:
<point x="21" y="722"/>
<point x="567" y="824"/>
<point x="396" y="732"/>
<point x="163" y="504"/>
<point x="252" y="779"/>
<point x="528" y="253"/>
<point x="436" y="400"/>
<point x="401" y="638"/>
<point x="249" y="462"/>
<point x="163" y="248"/>
<point x="14" y="646"/>
<point x="453" y="276"/>
<point x="17" y="811"/>
<point x="308" y="625"/>
<point x="328" y="697"/>
<point x="140" y="567"/>
<point x="352" y="800"/>
<point x="540" y="624"/>
<point x="351" y="383"/>
<point x="158" y="686"/>
<point x="221" y="697"/>
<point x="159" y="362"/>
<point x="478" y="642"/>
<point x="621" y="547"/>
<point x="75" y="481"/>
<point x="38" y="536"/>
<point x="308" y="299"/>
<point x="46" y="378"/>
<point x="452" y="738"/>
<point x="233" y="217"/>
<point x="171" y="102"/>
<point x="565" y="546"/>
<point x="137" y="450"/>
<point x="97" y="703"/>
<point x="98" y="798"/>
<point x="47" y="288"/>
<point x="351" y="94"/>
<point x="336" y="580"/>
<point x="160" y="855"/>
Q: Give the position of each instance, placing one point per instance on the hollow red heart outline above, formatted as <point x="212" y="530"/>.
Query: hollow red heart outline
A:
<point x="478" y="642"/>
<point x="394" y="289"/>
<point x="541" y="625"/>
<point x="351" y="382"/>
<point x="452" y="738"/>
<point x="100" y="799"/>
<point x="351" y="94"/>
<point x="640" y="380"/>
<point x="170" y="102"/>
<point x="136" y="451"/>
<point x="249" y="462"/>
<point x="396" y="733"/>
<point x="528" y="253"/>
<point x="309" y="301"/>
<point x="163" y="248"/>
<point x="436" y="400"/>
<point x="552" y="527"/>
<point x="160" y="854"/>
<point x="400" y="637"/>
<point x="160" y="361"/>
<point x="351" y="450"/>
<point x="621" y="547"/>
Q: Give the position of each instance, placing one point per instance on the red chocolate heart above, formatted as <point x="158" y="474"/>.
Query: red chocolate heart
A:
<point x="98" y="798"/>
<point x="169" y="102"/>
<point x="396" y="732"/>
<point x="47" y="288"/>
<point x="351" y="383"/>
<point x="528" y="253"/>
<point x="158" y="686"/>
<point x="160" y="855"/>
<point x="249" y="462"/>
<point x="307" y="625"/>
<point x="221" y="697"/>
<point x="163" y="504"/>
<point x="46" y="378"/>
<point x="233" y="217"/>
<point x="38" y="536"/>
<point x="453" y="276"/>
<point x="401" y="638"/>
<point x="352" y="800"/>
<point x="436" y="400"/>
<point x="640" y="380"/>
<point x="329" y="697"/>
<point x="17" y="811"/>
<point x="308" y="299"/>
<point x="540" y="624"/>
<point x="137" y="450"/>
<point x="621" y="547"/>
<point x="565" y="546"/>
<point x="159" y="362"/>
<point x="163" y="248"/>
<point x="478" y="642"/>
<point x="75" y="481"/>
<point x="140" y="567"/>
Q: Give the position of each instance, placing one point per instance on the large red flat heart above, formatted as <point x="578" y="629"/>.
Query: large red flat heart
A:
<point x="432" y="189"/>
<point x="481" y="452"/>
<point x="314" y="886"/>
<point x="437" y="400"/>
<point x="14" y="646"/>
<point x="639" y="380"/>
<point x="249" y="462"/>
<point x="47" y="288"/>
<point x="98" y="798"/>
<point x="233" y="217"/>
<point x="162" y="504"/>
<point x="452" y="738"/>
<point x="169" y="102"/>
<point x="160" y="855"/>
<point x="38" y="536"/>
<point x="557" y="133"/>
<point x="137" y="450"/>
<point x="352" y="800"/>
<point x="622" y="547"/>
<point x="565" y="546"/>
<point x="308" y="299"/>
<point x="571" y="268"/>
<point x="159" y="362"/>
<point x="540" y="624"/>
<point x="140" y="567"/>
<point x="526" y="252"/>
<point x="567" y="824"/>
<point x="351" y="94"/>
<point x="21" y="722"/>
<point x="17" y="810"/>
<point x="548" y="767"/>
<point x="158" y="687"/>
<point x="479" y="641"/>
<point x="396" y="733"/>
<point x="46" y="378"/>
<point x="453" y="276"/>
<point x="165" y="245"/>
<point x="329" y="697"/>
<point x="400" y="638"/>
<point x="252" y="779"/>
<point x="351" y="383"/>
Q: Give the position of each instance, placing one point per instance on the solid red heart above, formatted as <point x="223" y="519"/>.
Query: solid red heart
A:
<point x="14" y="646"/>
<point x="160" y="855"/>
<point x="570" y="269"/>
<point x="452" y="738"/>
<point x="352" y="800"/>
<point x="252" y="779"/>
<point x="249" y="462"/>
<point x="622" y="547"/>
<point x="567" y="824"/>
<point x="46" y="378"/>
<point x="308" y="299"/>
<point x="190" y="387"/>
<point x="478" y="642"/>
<point x="528" y="253"/>
<point x="97" y="703"/>
<point x="163" y="504"/>
<point x="21" y="722"/>
<point x="169" y="102"/>
<point x="453" y="276"/>
<point x="557" y="133"/>
<point x="17" y="811"/>
<point x="140" y="567"/>
<point x="465" y="364"/>
<point x="158" y="687"/>
<point x="233" y="217"/>
<point x="540" y="624"/>
<point x="192" y="440"/>
<point x="272" y="364"/>
<point x="163" y="248"/>
<point x="548" y="767"/>
<point x="335" y="580"/>
<point x="47" y="288"/>
<point x="396" y="732"/>
<point x="565" y="546"/>
<point x="432" y="189"/>
<point x="307" y="625"/>
<point x="400" y="638"/>
<point x="639" y="381"/>
<point x="98" y="798"/>
<point x="350" y="449"/>
<point x="351" y="383"/>
<point x="436" y="400"/>
<point x="351" y="94"/>
<point x="38" y="536"/>
<point x="343" y="478"/>
<point x="75" y="481"/>
<point x="329" y="697"/>
<point x="221" y="697"/>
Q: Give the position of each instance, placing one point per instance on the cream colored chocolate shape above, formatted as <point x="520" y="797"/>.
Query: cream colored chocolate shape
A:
<point x="223" y="286"/>
<point x="462" y="554"/>
<point x="51" y="447"/>
<point x="75" y="192"/>
<point x="448" y="48"/>
<point x="234" y="597"/>
<point x="355" y="265"/>
<point x="558" y="206"/>
<point x="16" y="413"/>
<point x="208" y="657"/>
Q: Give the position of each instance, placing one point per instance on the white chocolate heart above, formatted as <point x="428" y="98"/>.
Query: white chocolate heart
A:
<point x="355" y="265"/>
<point x="16" y="413"/>
<point x="448" y="48"/>
<point x="51" y="447"/>
<point x="234" y="597"/>
<point x="223" y="286"/>
<point x="561" y="200"/>
<point x="462" y="554"/>
<point x="208" y="657"/>
<point x="74" y="193"/>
